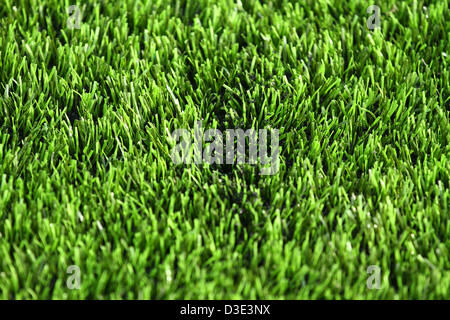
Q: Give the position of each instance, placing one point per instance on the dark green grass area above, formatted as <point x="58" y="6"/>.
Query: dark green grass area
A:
<point x="86" y="176"/>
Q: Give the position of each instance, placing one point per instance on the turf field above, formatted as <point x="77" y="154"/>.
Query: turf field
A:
<point x="93" y="206"/>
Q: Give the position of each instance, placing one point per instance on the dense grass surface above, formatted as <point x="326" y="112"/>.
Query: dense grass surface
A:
<point x="87" y="179"/>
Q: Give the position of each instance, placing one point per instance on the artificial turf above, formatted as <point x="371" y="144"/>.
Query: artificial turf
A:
<point x="86" y="176"/>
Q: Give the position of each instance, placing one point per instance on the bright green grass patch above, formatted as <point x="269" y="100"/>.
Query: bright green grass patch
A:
<point x="86" y="176"/>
